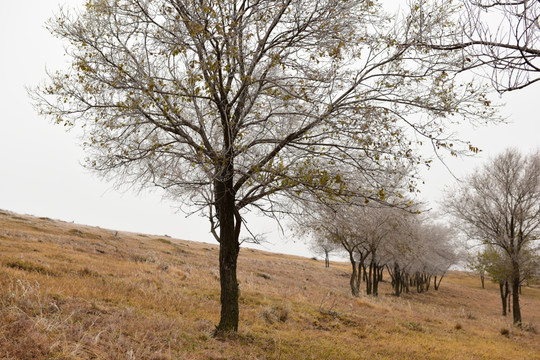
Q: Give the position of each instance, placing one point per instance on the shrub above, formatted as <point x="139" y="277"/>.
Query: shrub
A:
<point x="140" y="258"/>
<point x="414" y="326"/>
<point x="29" y="266"/>
<point x="164" y="241"/>
<point x="274" y="314"/>
<point x="529" y="327"/>
<point x="264" y="276"/>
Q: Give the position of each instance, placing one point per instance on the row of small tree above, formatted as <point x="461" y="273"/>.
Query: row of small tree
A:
<point x="497" y="207"/>
<point x="414" y="251"/>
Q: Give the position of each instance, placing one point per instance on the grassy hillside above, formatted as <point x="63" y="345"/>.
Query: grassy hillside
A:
<point x="77" y="292"/>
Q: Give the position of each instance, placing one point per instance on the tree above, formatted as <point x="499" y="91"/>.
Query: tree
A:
<point x="326" y="246"/>
<point x="499" y="206"/>
<point x="376" y="228"/>
<point x="505" y="35"/>
<point x="420" y="251"/>
<point x="477" y="263"/>
<point x="336" y="225"/>
<point x="436" y="252"/>
<point x="238" y="105"/>
<point x="499" y="267"/>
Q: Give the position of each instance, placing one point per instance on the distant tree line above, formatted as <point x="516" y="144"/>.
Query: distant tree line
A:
<point x="414" y="251"/>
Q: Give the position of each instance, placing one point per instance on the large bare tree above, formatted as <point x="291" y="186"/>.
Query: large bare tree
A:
<point x="499" y="206"/>
<point x="235" y="105"/>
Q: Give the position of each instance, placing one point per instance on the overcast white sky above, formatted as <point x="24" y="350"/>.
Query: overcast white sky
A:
<point x="40" y="171"/>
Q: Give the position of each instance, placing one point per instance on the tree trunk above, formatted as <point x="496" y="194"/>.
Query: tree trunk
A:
<point x="396" y="278"/>
<point x="365" y="272"/>
<point x="392" y="277"/>
<point x="515" y="293"/>
<point x="436" y="284"/>
<point x="229" y="248"/>
<point x="326" y="259"/>
<point x="369" y="279"/>
<point x="229" y="289"/>
<point x="482" y="278"/>
<point x="503" y="297"/>
<point x="406" y="281"/>
<point x="353" y="281"/>
<point x="419" y="286"/>
<point x="375" y="283"/>
<point x="359" y="275"/>
<point x="507" y="297"/>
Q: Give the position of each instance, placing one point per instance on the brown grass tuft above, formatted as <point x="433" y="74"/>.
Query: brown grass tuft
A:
<point x="275" y="314"/>
<point x="28" y="266"/>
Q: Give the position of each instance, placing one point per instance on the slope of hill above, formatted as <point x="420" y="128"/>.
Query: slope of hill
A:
<point x="77" y="292"/>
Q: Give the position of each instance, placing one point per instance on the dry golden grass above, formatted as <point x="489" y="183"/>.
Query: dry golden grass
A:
<point x="76" y="292"/>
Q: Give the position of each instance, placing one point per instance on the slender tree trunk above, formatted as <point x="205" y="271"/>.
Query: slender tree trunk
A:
<point x="406" y="282"/>
<point x="515" y="293"/>
<point x="375" y="280"/>
<point x="436" y="284"/>
<point x="419" y="288"/>
<point x="397" y="279"/>
<point x="229" y="248"/>
<point x="503" y="297"/>
<point x="482" y="277"/>
<point x="353" y="281"/>
<point x="392" y="277"/>
<point x="507" y="297"/>
<point x="359" y="275"/>
<point x="326" y="259"/>
<point x="369" y="279"/>
<point x="365" y="272"/>
<point x="373" y="275"/>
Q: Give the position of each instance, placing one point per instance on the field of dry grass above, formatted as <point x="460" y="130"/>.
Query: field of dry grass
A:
<point x="77" y="292"/>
